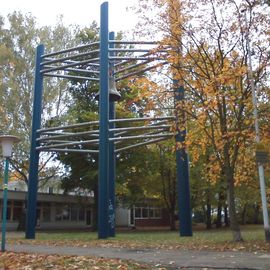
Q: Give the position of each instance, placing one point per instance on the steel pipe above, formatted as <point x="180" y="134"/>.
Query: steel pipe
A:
<point x="140" y="137"/>
<point x="70" y="77"/>
<point x="140" y="144"/>
<point x="71" y="49"/>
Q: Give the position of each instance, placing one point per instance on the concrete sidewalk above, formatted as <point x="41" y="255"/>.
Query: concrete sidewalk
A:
<point x="173" y="259"/>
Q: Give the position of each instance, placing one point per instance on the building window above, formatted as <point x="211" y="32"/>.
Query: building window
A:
<point x="147" y="213"/>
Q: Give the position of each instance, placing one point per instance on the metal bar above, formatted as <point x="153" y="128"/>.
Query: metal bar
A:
<point x="70" y="77"/>
<point x="92" y="133"/>
<point x="76" y="70"/>
<point x="71" y="49"/>
<point x="103" y="126"/>
<point x="141" y="137"/>
<point x="66" y="144"/>
<point x="34" y="155"/>
<point x="68" y="57"/>
<point x="70" y="150"/>
<point x="142" y="119"/>
<point x="135" y="58"/>
<point x="110" y="121"/>
<point x="69" y="126"/>
<point x="129" y="50"/>
<point x="70" y="65"/>
<point x="74" y="62"/>
<point x="139" y="128"/>
<point x="131" y="67"/>
<point x="133" y="42"/>
<point x="137" y="72"/>
<point x="140" y="144"/>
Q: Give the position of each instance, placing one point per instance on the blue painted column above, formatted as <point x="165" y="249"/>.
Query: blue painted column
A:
<point x="112" y="162"/>
<point x="34" y="155"/>
<point x="185" y="219"/>
<point x="103" y="125"/>
<point x="4" y="209"/>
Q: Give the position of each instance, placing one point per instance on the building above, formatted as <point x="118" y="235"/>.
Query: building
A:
<point x="56" y="210"/>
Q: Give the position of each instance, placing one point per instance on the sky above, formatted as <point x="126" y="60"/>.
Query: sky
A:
<point x="81" y="12"/>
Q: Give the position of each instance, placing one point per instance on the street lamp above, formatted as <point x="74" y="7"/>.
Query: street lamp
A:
<point x="7" y="143"/>
<point x="257" y="132"/>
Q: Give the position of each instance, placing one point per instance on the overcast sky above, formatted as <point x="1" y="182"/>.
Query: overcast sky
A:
<point x="81" y="12"/>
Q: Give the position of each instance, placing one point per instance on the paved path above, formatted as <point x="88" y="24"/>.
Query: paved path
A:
<point x="175" y="259"/>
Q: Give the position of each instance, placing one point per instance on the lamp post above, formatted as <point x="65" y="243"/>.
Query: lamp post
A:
<point x="7" y="143"/>
<point x="257" y="133"/>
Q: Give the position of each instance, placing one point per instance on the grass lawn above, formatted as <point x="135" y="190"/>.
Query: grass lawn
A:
<point x="219" y="240"/>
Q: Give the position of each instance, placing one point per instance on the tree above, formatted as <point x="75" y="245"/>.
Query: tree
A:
<point x="207" y="54"/>
<point x="19" y="38"/>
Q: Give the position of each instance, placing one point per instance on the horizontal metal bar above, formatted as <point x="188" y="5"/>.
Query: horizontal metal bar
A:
<point x="141" y="119"/>
<point x="133" y="42"/>
<point x="79" y="63"/>
<point x="69" y="126"/>
<point x="70" y="150"/>
<point x="68" y="57"/>
<point x="131" y="66"/>
<point x="144" y="136"/>
<point x="134" y="58"/>
<point x="129" y="50"/>
<point x="67" y="144"/>
<point x="71" y="49"/>
<point x="135" y="73"/>
<point x="91" y="133"/>
<point x="140" y="144"/>
<point x="110" y="121"/>
<point x="70" y="77"/>
<point x="77" y="70"/>
<point x="140" y="128"/>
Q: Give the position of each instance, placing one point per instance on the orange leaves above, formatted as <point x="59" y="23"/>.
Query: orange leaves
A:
<point x="20" y="261"/>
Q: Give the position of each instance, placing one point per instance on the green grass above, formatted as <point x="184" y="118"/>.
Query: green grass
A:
<point x="202" y="239"/>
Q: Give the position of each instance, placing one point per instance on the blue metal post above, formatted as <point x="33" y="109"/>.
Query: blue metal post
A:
<point x="4" y="216"/>
<point x="185" y="219"/>
<point x="34" y="154"/>
<point x="112" y="163"/>
<point x="103" y="125"/>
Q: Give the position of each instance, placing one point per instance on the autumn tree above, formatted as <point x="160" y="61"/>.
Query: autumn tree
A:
<point x="207" y="53"/>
